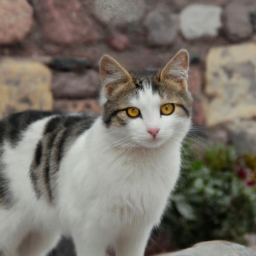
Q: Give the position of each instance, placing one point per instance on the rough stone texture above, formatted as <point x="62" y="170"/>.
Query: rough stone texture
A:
<point x="195" y="87"/>
<point x="24" y="85"/>
<point x="118" y="42"/>
<point x="251" y="240"/>
<point x="236" y="20"/>
<point x="230" y="84"/>
<point x="198" y="114"/>
<point x="195" y="81"/>
<point x="215" y="248"/>
<point x="242" y="134"/>
<point x="66" y="22"/>
<point x="218" y="134"/>
<point x="16" y="20"/>
<point x="180" y="4"/>
<point x="252" y="16"/>
<point x="119" y="12"/>
<point x="198" y="20"/>
<point x="69" y="63"/>
<point x="76" y="86"/>
<point x="162" y="26"/>
<point x="89" y="105"/>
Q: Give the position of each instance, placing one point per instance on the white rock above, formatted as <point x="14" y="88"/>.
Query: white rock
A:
<point x="119" y="12"/>
<point x="199" y="20"/>
<point x="214" y="248"/>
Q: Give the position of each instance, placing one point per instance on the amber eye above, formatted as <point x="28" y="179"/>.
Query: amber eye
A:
<point x="133" y="112"/>
<point x="167" y="109"/>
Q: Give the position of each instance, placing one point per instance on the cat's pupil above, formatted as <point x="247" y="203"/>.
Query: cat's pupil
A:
<point x="166" y="107"/>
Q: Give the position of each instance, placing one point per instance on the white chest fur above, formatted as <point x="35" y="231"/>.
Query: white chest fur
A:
<point x="127" y="185"/>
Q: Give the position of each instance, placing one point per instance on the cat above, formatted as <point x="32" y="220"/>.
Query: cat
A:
<point x="102" y="180"/>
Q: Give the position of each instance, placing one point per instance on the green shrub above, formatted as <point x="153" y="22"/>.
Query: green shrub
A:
<point x="215" y="197"/>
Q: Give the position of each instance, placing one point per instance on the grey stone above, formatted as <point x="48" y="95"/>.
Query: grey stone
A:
<point x="63" y="63"/>
<point x="76" y="86"/>
<point x="242" y="134"/>
<point x="162" y="27"/>
<point x="237" y="25"/>
<point x="198" y="20"/>
<point x="215" y="248"/>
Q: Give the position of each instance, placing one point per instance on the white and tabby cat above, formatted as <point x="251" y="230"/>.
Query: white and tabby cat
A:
<point x="103" y="180"/>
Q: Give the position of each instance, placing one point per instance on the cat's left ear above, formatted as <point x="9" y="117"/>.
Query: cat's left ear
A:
<point x="113" y="75"/>
<point x="177" y="68"/>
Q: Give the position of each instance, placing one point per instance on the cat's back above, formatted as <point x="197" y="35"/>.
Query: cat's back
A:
<point x="32" y="143"/>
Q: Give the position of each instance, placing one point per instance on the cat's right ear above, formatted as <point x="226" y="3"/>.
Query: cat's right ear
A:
<point x="177" y="69"/>
<point x="113" y="75"/>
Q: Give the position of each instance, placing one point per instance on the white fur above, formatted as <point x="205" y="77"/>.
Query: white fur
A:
<point x="112" y="188"/>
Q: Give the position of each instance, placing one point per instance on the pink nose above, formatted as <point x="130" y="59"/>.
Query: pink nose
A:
<point x="153" y="131"/>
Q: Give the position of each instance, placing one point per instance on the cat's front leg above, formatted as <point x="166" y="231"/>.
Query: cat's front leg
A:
<point x="90" y="241"/>
<point x="133" y="241"/>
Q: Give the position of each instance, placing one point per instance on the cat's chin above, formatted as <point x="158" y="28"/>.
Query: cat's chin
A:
<point x="152" y="143"/>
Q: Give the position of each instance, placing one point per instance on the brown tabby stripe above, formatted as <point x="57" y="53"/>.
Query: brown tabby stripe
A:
<point x="13" y="126"/>
<point x="59" y="134"/>
<point x="35" y="163"/>
<point x="6" y="197"/>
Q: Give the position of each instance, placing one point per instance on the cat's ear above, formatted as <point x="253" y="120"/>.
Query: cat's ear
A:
<point x="112" y="74"/>
<point x="177" y="68"/>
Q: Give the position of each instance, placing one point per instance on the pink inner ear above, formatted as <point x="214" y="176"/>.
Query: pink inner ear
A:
<point x="112" y="72"/>
<point x="177" y="68"/>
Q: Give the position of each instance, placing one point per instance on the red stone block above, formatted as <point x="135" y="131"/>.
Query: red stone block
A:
<point x="66" y="22"/>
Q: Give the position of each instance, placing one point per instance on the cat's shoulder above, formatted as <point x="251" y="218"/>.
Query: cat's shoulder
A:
<point x="14" y="124"/>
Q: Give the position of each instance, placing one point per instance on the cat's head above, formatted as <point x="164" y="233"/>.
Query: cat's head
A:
<point x="146" y="109"/>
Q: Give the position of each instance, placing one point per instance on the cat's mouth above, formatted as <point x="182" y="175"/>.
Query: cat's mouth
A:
<point x="150" y="142"/>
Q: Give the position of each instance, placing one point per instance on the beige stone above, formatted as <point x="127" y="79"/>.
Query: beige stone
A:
<point x="24" y="85"/>
<point x="230" y="84"/>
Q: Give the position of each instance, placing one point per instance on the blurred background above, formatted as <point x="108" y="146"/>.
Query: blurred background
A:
<point x="49" y="55"/>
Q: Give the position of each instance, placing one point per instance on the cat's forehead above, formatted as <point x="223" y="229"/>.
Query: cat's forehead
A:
<point x="149" y="81"/>
<point x="146" y="91"/>
<point x="144" y="79"/>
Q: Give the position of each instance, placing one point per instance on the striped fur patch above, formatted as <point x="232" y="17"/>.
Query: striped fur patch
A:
<point x="6" y="197"/>
<point x="59" y="134"/>
<point x="13" y="126"/>
<point x="11" y="130"/>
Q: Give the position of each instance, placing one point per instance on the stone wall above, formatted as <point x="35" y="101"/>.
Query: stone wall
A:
<point x="50" y="52"/>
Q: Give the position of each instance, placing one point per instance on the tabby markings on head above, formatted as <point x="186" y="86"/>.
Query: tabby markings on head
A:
<point x="120" y="86"/>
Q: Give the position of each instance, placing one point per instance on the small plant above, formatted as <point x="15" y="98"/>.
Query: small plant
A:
<point x="215" y="197"/>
